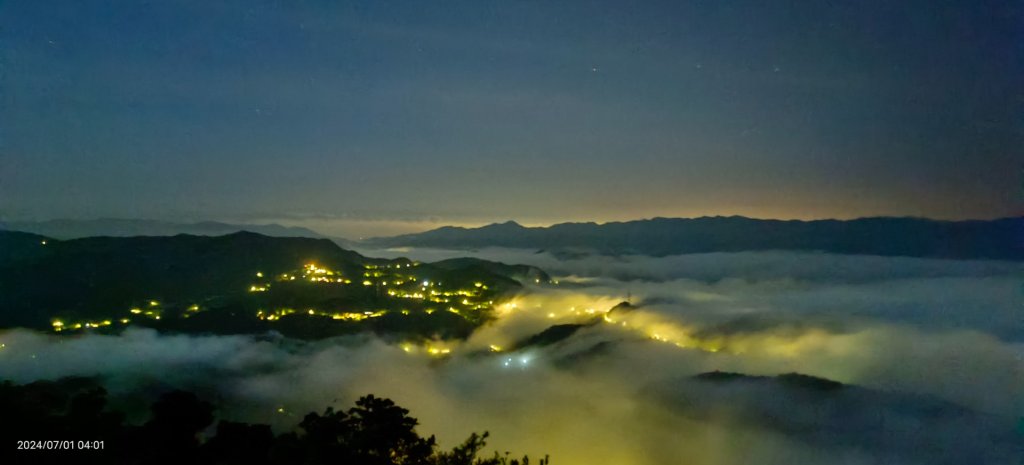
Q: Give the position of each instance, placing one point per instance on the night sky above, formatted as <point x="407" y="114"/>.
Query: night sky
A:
<point x="382" y="117"/>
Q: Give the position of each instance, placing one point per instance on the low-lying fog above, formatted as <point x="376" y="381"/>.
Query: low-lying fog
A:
<point x="937" y="346"/>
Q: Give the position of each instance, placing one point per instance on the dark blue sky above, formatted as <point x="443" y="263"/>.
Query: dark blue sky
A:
<point x="375" y="117"/>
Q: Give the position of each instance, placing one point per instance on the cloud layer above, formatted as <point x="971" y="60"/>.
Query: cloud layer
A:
<point x="934" y="344"/>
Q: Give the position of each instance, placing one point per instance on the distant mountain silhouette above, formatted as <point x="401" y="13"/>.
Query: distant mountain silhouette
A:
<point x="122" y="227"/>
<point x="912" y="237"/>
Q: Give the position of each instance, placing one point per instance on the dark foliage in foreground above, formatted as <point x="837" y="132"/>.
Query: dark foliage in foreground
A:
<point x="373" y="432"/>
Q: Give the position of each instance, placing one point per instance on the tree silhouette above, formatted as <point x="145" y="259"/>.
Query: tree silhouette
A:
<point x="373" y="432"/>
<point x="171" y="434"/>
<point x="466" y="454"/>
<point x="239" y="444"/>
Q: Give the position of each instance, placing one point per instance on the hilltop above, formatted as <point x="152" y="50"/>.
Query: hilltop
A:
<point x="241" y="283"/>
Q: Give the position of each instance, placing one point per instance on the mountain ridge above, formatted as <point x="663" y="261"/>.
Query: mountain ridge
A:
<point x="128" y="227"/>
<point x="1001" y="238"/>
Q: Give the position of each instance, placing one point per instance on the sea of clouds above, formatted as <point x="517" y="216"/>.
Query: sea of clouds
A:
<point x="935" y="349"/>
